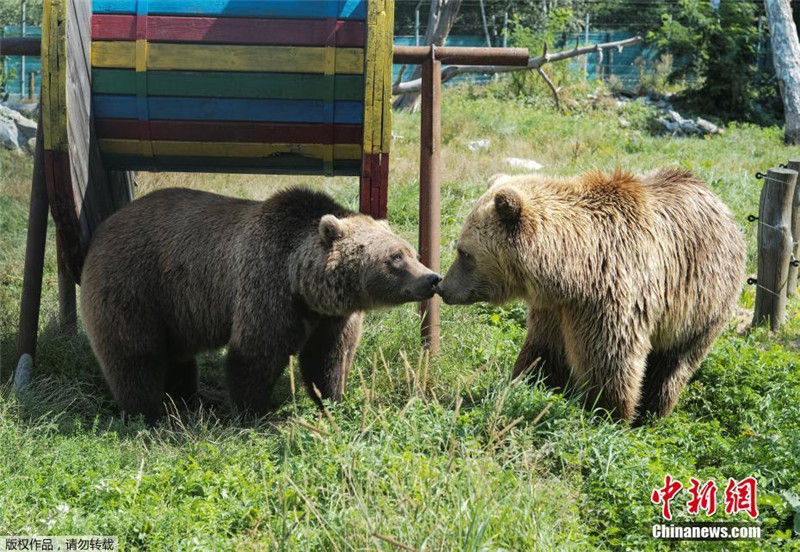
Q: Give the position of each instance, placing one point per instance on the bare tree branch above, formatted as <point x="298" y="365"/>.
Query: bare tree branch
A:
<point x="551" y="85"/>
<point x="399" y="78"/>
<point x="451" y="71"/>
<point x="441" y="17"/>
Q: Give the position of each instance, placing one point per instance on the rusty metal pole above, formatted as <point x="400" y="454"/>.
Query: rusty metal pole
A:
<point x="34" y="254"/>
<point x="429" y="191"/>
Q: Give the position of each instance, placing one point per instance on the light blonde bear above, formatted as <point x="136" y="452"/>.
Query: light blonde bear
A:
<point x="628" y="278"/>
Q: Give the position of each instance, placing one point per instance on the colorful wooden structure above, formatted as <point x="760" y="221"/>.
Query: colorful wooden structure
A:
<point x="268" y="86"/>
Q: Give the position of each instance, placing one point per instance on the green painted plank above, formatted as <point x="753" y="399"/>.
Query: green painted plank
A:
<point x="213" y="84"/>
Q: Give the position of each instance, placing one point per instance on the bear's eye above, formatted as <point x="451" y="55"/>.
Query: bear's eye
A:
<point x="396" y="257"/>
<point x="463" y="254"/>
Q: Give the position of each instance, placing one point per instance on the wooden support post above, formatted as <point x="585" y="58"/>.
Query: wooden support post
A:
<point x="67" y="310"/>
<point x="794" y="268"/>
<point x="34" y="254"/>
<point x="31" y="85"/>
<point x="774" y="246"/>
<point x="429" y="191"/>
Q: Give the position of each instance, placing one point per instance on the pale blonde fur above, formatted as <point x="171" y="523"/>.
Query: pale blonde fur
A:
<point x="628" y="279"/>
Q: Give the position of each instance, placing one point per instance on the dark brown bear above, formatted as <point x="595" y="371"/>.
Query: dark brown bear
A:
<point x="628" y="278"/>
<point x="181" y="271"/>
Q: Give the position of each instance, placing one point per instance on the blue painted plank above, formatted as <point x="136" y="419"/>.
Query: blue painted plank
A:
<point x="226" y="109"/>
<point x="300" y="9"/>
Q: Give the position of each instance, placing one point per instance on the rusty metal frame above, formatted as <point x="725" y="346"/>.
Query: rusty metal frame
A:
<point x="430" y="146"/>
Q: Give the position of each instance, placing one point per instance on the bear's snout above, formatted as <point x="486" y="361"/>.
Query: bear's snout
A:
<point x="427" y="286"/>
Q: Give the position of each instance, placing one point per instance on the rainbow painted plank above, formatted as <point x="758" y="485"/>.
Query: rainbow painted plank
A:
<point x="267" y="9"/>
<point x="230" y="131"/>
<point x="228" y="109"/>
<point x="286" y="32"/>
<point x="245" y="85"/>
<point x="219" y="84"/>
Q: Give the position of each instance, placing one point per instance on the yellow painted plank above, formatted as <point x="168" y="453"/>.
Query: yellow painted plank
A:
<point x="382" y="73"/>
<point x="370" y="63"/>
<point x="54" y="78"/>
<point x="227" y="149"/>
<point x="45" y="91"/>
<point x="388" y="40"/>
<point x="121" y="55"/>
<point x="223" y="57"/>
<point x="377" y="114"/>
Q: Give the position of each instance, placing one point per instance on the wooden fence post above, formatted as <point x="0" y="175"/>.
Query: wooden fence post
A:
<point x="774" y="246"/>
<point x="34" y="267"/>
<point x="791" y="288"/>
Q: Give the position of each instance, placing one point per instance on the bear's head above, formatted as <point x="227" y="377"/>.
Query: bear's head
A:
<point x="485" y="267"/>
<point x="357" y="263"/>
<point x="532" y="236"/>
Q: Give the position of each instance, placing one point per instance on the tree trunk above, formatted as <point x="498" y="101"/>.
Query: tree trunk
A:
<point x="440" y="20"/>
<point x="786" y="57"/>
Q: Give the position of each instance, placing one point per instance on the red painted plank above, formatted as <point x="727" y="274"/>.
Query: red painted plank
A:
<point x="114" y="27"/>
<point x="366" y="183"/>
<point x="209" y="131"/>
<point x="374" y="184"/>
<point x="230" y="30"/>
<point x="383" y="187"/>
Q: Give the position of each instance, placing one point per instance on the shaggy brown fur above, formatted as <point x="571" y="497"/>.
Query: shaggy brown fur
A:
<point x="628" y="279"/>
<point x="180" y="271"/>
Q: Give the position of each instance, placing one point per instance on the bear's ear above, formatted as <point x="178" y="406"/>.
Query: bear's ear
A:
<point x="508" y="205"/>
<point x="330" y="229"/>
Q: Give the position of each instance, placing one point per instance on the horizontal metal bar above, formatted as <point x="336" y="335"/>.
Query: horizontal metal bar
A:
<point x="510" y="57"/>
<point x="20" y="46"/>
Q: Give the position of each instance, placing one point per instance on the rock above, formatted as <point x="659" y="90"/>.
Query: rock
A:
<point x="675" y="116"/>
<point x="476" y="145"/>
<point x="707" y="126"/>
<point x="28" y="109"/>
<point x="9" y="135"/>
<point x="518" y="162"/>
<point x="23" y="373"/>
<point x="24" y="128"/>
<point x="671" y="126"/>
<point x="624" y="123"/>
<point x="32" y="144"/>
<point x="688" y="127"/>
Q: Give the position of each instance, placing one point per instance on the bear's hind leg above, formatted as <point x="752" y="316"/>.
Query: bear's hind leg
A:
<point x="327" y="356"/>
<point x="182" y="381"/>
<point x="137" y="384"/>
<point x="669" y="371"/>
<point x="543" y="350"/>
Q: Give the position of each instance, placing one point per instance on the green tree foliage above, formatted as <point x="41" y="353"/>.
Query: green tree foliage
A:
<point x="721" y="47"/>
<point x="10" y="12"/>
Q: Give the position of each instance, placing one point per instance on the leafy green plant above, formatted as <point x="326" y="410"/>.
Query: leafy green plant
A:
<point x="719" y="47"/>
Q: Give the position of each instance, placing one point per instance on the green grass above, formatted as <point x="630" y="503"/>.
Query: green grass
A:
<point x="439" y="455"/>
